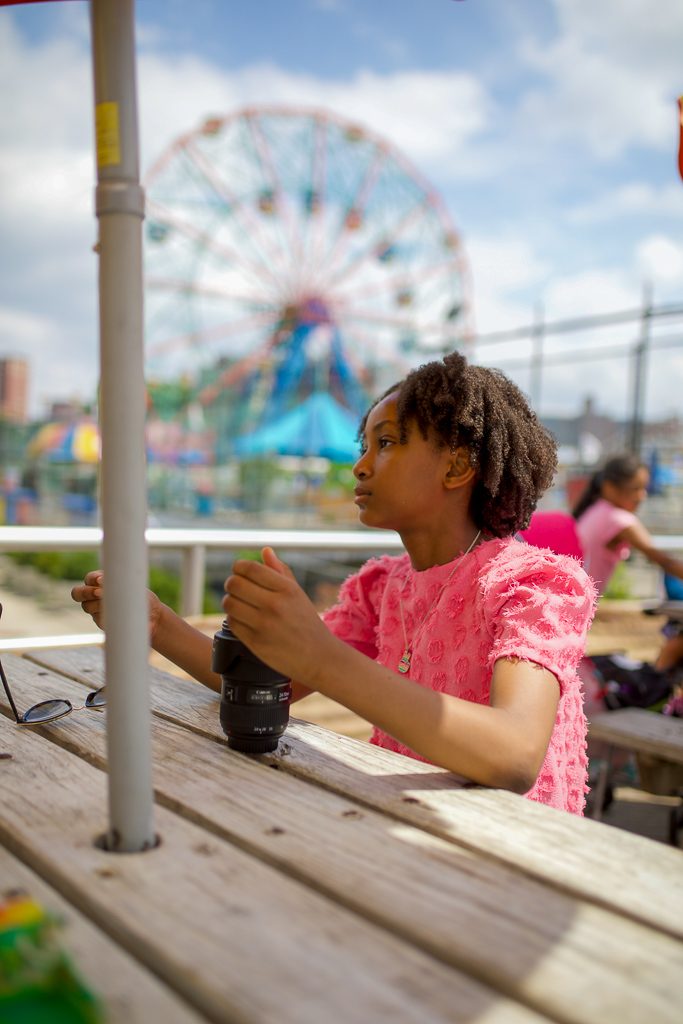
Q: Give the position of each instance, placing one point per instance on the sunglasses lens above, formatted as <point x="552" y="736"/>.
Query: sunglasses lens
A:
<point x="46" y="711"/>
<point x="96" y="699"/>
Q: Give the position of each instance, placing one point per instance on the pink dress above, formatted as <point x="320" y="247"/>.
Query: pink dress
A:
<point x="599" y="524"/>
<point x="506" y="599"/>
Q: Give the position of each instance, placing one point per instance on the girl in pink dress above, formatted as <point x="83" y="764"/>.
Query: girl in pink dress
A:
<point x="608" y="528"/>
<point x="464" y="650"/>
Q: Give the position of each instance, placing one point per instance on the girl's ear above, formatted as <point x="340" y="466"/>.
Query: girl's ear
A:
<point x="460" y="470"/>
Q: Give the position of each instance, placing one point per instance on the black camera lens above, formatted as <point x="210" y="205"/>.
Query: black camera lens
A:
<point x="254" y="698"/>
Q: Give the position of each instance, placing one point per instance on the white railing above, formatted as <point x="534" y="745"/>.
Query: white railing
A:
<point x="193" y="545"/>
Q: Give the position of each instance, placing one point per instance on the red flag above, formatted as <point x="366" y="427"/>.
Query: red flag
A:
<point x="680" y="136"/>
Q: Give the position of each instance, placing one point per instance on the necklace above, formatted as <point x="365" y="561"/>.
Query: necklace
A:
<point x="404" y="663"/>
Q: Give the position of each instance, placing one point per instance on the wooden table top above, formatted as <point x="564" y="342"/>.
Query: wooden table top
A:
<point x="329" y="881"/>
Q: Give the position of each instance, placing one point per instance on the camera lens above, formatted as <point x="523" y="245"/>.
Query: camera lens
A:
<point x="254" y="698"/>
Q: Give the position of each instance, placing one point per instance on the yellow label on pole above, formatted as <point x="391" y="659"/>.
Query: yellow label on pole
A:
<point x="107" y="134"/>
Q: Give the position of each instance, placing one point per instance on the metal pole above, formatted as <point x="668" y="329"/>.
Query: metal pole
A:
<point x="120" y="212"/>
<point x="639" y="371"/>
<point x="537" y="335"/>
<point x="193" y="580"/>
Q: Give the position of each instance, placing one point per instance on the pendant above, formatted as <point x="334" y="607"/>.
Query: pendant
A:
<point x="404" y="663"/>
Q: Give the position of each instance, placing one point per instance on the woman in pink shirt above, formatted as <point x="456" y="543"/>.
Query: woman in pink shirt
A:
<point x="464" y="650"/>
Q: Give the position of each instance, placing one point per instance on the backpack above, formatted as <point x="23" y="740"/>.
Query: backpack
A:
<point x="630" y="684"/>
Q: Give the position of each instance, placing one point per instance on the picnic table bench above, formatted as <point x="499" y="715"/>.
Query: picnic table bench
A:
<point x="657" y="741"/>
<point x="328" y="881"/>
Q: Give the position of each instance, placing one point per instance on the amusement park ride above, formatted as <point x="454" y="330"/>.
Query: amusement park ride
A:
<point x="292" y="255"/>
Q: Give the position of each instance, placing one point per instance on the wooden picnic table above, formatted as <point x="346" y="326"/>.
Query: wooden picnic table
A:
<point x="330" y="881"/>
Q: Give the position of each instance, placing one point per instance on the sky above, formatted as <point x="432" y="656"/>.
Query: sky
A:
<point x="549" y="128"/>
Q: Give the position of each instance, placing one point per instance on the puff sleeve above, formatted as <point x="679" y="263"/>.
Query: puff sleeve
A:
<point x="539" y="606"/>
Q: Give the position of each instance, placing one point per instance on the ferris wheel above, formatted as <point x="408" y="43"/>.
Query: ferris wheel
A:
<point x="290" y="249"/>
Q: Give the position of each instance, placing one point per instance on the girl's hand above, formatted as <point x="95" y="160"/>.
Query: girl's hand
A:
<point x="271" y="614"/>
<point x="90" y="596"/>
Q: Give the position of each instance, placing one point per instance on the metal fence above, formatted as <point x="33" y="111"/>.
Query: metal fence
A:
<point x="194" y="544"/>
<point x="532" y="351"/>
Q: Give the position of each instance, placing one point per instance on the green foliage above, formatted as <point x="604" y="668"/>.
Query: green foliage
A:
<point x="166" y="586"/>
<point x="73" y="565"/>
<point x="58" y="565"/>
<point x="249" y="554"/>
<point x="619" y="587"/>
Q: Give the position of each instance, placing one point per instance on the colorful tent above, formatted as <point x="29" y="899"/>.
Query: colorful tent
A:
<point x="66" y="442"/>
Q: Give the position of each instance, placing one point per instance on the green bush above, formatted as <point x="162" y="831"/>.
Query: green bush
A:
<point x="619" y="586"/>
<point x="73" y="565"/>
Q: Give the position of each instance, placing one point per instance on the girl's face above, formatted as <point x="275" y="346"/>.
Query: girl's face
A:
<point x="399" y="485"/>
<point x="628" y="495"/>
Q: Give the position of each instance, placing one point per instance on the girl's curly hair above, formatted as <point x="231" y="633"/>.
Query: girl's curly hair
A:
<point x="480" y="409"/>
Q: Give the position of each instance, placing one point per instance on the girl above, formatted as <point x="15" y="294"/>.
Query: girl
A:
<point x="608" y="528"/>
<point x="463" y="651"/>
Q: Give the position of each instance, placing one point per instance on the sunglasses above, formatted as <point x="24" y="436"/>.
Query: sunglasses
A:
<point x="50" y="710"/>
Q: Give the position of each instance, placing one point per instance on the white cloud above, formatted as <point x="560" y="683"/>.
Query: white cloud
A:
<point x="501" y="268"/>
<point x="661" y="259"/>
<point x="589" y="292"/>
<point x="634" y="199"/>
<point x="611" y="75"/>
<point x="431" y="116"/>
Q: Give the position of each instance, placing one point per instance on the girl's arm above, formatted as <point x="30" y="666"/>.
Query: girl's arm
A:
<point x="639" y="538"/>
<point x="190" y="650"/>
<point x="502" y="744"/>
<point x="169" y="634"/>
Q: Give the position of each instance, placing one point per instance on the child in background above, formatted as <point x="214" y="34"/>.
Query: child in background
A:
<point x="608" y="528"/>
<point x="464" y="650"/>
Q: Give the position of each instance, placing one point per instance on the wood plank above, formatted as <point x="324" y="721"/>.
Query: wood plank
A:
<point x="589" y="859"/>
<point x="129" y="993"/>
<point x="238" y="939"/>
<point x="641" y="730"/>
<point x="567" y="959"/>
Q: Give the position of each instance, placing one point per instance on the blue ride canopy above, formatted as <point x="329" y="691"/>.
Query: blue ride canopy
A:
<point x="318" y="426"/>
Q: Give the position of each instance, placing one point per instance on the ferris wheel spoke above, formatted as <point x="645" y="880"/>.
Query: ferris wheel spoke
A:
<point x="201" y="238"/>
<point x="197" y="289"/>
<point x="318" y="198"/>
<point x="213" y="333"/>
<point x="402" y="282"/>
<point x="233" y="374"/>
<point x="402" y="323"/>
<point x="372" y="251"/>
<point x="265" y="157"/>
<point x="200" y="290"/>
<point x="253" y="228"/>
<point x="356" y="208"/>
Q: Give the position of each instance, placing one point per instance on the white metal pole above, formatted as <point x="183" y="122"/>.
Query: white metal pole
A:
<point x="120" y="212"/>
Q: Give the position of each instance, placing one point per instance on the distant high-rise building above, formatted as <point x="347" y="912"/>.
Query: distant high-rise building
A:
<point x="14" y="390"/>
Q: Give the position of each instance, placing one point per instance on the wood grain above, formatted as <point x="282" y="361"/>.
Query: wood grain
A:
<point x="615" y="869"/>
<point x="129" y="993"/>
<point x="566" y="958"/>
<point x="238" y="939"/>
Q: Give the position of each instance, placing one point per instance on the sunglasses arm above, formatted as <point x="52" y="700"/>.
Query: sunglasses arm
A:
<point x="9" y="695"/>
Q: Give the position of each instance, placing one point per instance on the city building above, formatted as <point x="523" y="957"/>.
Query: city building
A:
<point x="14" y="390"/>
